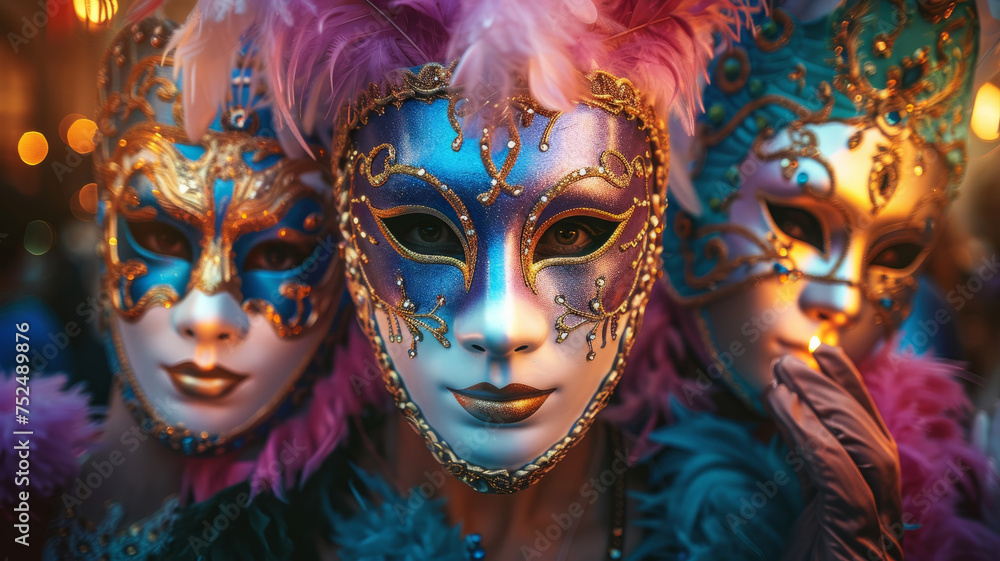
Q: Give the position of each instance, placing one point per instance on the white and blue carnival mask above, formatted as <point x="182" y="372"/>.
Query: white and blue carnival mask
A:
<point x="500" y="262"/>
<point x="220" y="258"/>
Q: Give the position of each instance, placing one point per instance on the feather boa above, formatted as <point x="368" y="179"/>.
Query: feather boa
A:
<point x="265" y="529"/>
<point x="386" y="525"/>
<point x="716" y="492"/>
<point x="296" y="448"/>
<point x="944" y="477"/>
<point x="62" y="432"/>
<point x="652" y="384"/>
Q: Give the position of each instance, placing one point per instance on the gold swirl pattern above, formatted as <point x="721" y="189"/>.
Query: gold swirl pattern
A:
<point x="415" y="322"/>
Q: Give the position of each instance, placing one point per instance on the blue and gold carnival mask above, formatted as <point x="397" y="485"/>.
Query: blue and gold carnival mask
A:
<point x="220" y="260"/>
<point x="825" y="160"/>
<point x="500" y="260"/>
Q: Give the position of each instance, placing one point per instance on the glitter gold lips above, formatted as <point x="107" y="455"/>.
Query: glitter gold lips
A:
<point x="206" y="384"/>
<point x="511" y="404"/>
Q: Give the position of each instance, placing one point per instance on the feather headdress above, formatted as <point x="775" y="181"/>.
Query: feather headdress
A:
<point x="320" y="55"/>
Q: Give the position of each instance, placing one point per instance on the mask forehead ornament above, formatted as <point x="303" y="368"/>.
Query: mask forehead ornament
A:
<point x="220" y="195"/>
<point x="506" y="186"/>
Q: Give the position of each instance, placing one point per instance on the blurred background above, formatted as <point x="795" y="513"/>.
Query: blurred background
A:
<point x="48" y="199"/>
<point x="49" y="267"/>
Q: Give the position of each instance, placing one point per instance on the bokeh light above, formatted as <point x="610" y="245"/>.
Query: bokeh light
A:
<point x="80" y="136"/>
<point x="32" y="148"/>
<point x="38" y="237"/>
<point x="83" y="203"/>
<point x="88" y="198"/>
<point x="986" y="112"/>
<point x="95" y="11"/>
<point x="65" y="124"/>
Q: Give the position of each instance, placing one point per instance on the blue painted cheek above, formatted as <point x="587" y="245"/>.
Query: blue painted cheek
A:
<point x="161" y="269"/>
<point x="258" y="284"/>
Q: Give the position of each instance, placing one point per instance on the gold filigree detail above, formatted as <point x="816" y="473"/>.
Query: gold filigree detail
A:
<point x="622" y="219"/>
<point x="884" y="176"/>
<point x="780" y="17"/>
<point x="529" y="108"/>
<point x="605" y="170"/>
<point x="802" y="144"/>
<point x="143" y="81"/>
<point x="184" y="190"/>
<point x="467" y="233"/>
<point x="823" y="91"/>
<point x="595" y="314"/>
<point x="899" y="99"/>
<point x="415" y="322"/>
<point x="498" y="178"/>
<point x="380" y="215"/>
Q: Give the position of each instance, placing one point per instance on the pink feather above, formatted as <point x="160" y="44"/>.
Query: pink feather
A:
<point x="654" y="375"/>
<point x="205" y="52"/>
<point x="500" y="41"/>
<point x="944" y="476"/>
<point x="347" y="45"/>
<point x="320" y="56"/>
<point x="664" y="46"/>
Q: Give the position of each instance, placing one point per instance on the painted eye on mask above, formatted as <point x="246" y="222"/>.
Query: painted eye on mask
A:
<point x="798" y="223"/>
<point x="425" y="234"/>
<point x="898" y="256"/>
<point x="276" y="256"/>
<point x="161" y="238"/>
<point x="576" y="236"/>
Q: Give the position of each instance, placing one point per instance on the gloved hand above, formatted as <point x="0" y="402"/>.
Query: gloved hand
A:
<point x="851" y="466"/>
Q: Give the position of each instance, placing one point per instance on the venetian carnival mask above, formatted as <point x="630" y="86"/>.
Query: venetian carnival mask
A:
<point x="500" y="262"/>
<point x="822" y="187"/>
<point x="220" y="260"/>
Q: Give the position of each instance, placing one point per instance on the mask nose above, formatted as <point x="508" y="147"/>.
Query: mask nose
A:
<point x="502" y="327"/>
<point x="506" y="320"/>
<point x="210" y="319"/>
<point x="835" y="304"/>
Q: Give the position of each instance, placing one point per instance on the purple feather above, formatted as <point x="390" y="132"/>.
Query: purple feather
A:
<point x="62" y="432"/>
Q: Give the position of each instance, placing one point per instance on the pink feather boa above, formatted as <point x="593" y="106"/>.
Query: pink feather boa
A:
<point x="926" y="410"/>
<point x="298" y="446"/>
<point x="920" y="398"/>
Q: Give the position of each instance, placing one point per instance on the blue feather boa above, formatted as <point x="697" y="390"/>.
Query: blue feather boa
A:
<point x="716" y="492"/>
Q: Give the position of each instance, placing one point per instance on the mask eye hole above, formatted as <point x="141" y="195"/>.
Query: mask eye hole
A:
<point x="161" y="238"/>
<point x="425" y="234"/>
<point x="276" y="256"/>
<point x="898" y="256"/>
<point x="575" y="236"/>
<point x="798" y="223"/>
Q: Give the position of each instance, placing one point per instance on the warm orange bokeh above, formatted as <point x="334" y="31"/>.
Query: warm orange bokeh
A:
<point x="95" y="11"/>
<point x="32" y="148"/>
<point x="80" y="136"/>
